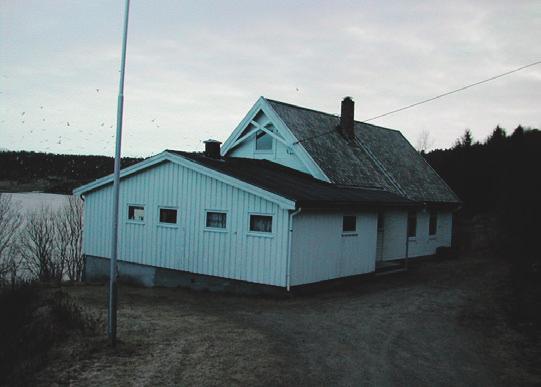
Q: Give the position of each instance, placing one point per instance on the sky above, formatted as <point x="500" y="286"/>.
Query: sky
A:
<point x="195" y="68"/>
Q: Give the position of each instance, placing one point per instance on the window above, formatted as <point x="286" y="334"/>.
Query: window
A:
<point x="381" y="221"/>
<point x="412" y="224"/>
<point x="433" y="223"/>
<point x="136" y="213"/>
<point x="349" y="223"/>
<point x="216" y="219"/>
<point x="263" y="141"/>
<point x="168" y="215"/>
<point x="261" y="223"/>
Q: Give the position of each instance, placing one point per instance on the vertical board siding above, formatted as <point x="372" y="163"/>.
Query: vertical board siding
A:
<point x="395" y="228"/>
<point x="320" y="252"/>
<point x="424" y="244"/>
<point x="188" y="246"/>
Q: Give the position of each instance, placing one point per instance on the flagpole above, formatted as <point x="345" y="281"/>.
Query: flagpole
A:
<point x="112" y="305"/>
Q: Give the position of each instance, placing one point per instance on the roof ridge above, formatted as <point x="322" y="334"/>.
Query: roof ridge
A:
<point x="327" y="114"/>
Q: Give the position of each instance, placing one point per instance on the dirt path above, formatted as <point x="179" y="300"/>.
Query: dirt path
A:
<point x="438" y="324"/>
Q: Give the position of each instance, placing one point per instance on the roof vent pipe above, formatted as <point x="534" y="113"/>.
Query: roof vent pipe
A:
<point x="347" y="118"/>
<point x="212" y="148"/>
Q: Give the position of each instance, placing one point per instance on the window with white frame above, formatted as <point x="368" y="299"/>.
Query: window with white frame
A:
<point x="216" y="219"/>
<point x="261" y="223"/>
<point x="433" y="223"/>
<point x="168" y="215"/>
<point x="136" y="213"/>
<point x="263" y="141"/>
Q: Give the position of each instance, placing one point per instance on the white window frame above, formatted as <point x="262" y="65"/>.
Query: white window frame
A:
<point x="216" y="229"/>
<point x="134" y="221"/>
<point x="262" y="233"/>
<point x="350" y="233"/>
<point x="164" y="224"/>
<point x="264" y="151"/>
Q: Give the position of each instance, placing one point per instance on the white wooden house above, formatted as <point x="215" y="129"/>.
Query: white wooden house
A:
<point x="293" y="197"/>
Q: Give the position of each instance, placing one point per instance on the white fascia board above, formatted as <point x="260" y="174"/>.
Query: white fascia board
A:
<point x="177" y="159"/>
<point x="164" y="156"/>
<point x="300" y="151"/>
<point x="228" y="144"/>
<point x="250" y="188"/>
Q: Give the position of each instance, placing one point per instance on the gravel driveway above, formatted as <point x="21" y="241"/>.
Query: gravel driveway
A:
<point x="441" y="323"/>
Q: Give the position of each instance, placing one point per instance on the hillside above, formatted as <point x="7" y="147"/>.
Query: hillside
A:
<point x="35" y="171"/>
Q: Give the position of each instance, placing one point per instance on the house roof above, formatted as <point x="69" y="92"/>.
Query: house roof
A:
<point x="305" y="190"/>
<point x="378" y="158"/>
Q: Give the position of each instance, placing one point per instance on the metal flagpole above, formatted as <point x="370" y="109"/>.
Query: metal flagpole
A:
<point x="112" y="306"/>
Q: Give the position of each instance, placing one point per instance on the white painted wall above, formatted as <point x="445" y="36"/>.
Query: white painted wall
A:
<point x="423" y="244"/>
<point x="394" y="237"/>
<point x="279" y="154"/>
<point x="320" y="251"/>
<point x="187" y="246"/>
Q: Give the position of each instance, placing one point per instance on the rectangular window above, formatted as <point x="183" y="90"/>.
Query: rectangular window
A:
<point x="261" y="223"/>
<point x="433" y="223"/>
<point x="216" y="219"/>
<point x="412" y="224"/>
<point x="263" y="141"/>
<point x="349" y="223"/>
<point x="380" y="221"/>
<point x="136" y="213"/>
<point x="168" y="215"/>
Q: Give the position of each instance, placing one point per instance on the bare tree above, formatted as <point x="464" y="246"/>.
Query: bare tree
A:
<point x="69" y="238"/>
<point x="10" y="222"/>
<point x="424" y="141"/>
<point x="37" y="244"/>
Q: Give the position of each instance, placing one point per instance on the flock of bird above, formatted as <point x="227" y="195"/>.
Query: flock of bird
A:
<point x="28" y="118"/>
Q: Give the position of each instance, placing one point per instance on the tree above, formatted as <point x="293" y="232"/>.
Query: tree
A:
<point x="497" y="137"/>
<point x="37" y="244"/>
<point x="10" y="222"/>
<point x="69" y="239"/>
<point x="424" y="141"/>
<point x="518" y="133"/>
<point x="465" y="141"/>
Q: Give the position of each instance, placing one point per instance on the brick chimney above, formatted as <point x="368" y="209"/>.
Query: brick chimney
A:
<point x="346" y="118"/>
<point x="212" y="148"/>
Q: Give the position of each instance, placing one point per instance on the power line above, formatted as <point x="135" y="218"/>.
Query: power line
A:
<point x="430" y="99"/>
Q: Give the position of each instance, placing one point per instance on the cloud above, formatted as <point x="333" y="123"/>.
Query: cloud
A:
<point x="197" y="67"/>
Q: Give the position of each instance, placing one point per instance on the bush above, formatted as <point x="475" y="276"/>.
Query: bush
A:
<point x="32" y="321"/>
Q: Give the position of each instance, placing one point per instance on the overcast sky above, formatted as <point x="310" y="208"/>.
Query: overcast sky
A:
<point x="195" y="68"/>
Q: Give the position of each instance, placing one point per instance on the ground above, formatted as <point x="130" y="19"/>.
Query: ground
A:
<point x="441" y="323"/>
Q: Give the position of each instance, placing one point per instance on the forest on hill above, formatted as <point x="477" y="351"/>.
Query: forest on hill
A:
<point x="499" y="182"/>
<point x="55" y="173"/>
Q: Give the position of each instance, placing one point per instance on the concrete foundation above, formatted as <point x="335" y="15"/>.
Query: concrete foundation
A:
<point x="97" y="270"/>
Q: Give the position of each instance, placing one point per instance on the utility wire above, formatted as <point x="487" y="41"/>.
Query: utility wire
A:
<point x="430" y="99"/>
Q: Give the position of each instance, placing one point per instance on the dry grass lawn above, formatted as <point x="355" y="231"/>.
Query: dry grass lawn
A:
<point x="441" y="323"/>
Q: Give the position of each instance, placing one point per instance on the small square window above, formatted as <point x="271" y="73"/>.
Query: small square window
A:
<point x="349" y="223"/>
<point x="261" y="223"/>
<point x="412" y="224"/>
<point x="136" y="213"/>
<point x="433" y="223"/>
<point x="168" y="215"/>
<point x="216" y="219"/>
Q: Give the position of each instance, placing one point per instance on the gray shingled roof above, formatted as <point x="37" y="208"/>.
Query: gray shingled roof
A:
<point x="380" y="158"/>
<point x="304" y="189"/>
